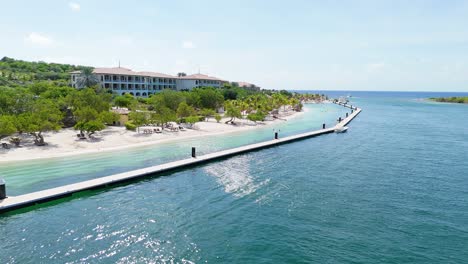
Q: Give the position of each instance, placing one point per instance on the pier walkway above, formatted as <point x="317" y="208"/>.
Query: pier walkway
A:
<point x="30" y="199"/>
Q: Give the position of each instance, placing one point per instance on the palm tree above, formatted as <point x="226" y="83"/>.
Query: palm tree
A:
<point x="86" y="78"/>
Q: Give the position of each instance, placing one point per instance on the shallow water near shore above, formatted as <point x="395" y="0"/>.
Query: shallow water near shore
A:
<point x="28" y="176"/>
<point x="392" y="189"/>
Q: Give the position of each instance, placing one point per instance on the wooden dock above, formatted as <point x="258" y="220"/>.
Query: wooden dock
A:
<point x="30" y="199"/>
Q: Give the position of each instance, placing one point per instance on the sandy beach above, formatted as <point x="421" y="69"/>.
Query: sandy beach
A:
<point x="65" y="142"/>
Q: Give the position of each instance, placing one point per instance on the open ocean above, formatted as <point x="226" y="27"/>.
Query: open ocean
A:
<point x="393" y="189"/>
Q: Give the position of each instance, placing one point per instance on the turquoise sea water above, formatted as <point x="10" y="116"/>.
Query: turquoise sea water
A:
<point x="393" y="189"/>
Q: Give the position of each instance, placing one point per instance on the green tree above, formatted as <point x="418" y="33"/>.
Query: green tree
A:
<point x="217" y="118"/>
<point x="125" y="100"/>
<point x="206" y="113"/>
<point x="91" y="127"/>
<point x="167" y="98"/>
<point x="232" y="111"/>
<point x="209" y="97"/>
<point x="7" y="126"/>
<point x="90" y="107"/>
<point x="89" y="98"/>
<point x="184" y="110"/>
<point x="255" y="117"/>
<point x="108" y="118"/>
<point x="46" y="116"/>
<point x="40" y="87"/>
<point x="164" y="115"/>
<point x="192" y="120"/>
<point x="86" y="79"/>
<point x="138" y="119"/>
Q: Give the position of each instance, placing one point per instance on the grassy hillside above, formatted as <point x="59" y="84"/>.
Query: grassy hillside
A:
<point x="23" y="72"/>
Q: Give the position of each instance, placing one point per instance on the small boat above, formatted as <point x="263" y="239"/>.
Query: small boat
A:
<point x="341" y="129"/>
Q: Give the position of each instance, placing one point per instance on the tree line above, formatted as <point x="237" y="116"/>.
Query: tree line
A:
<point x="45" y="106"/>
<point x="459" y="100"/>
<point x="21" y="72"/>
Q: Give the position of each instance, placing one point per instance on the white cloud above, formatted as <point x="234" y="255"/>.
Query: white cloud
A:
<point x="74" y="6"/>
<point x="38" y="39"/>
<point x="188" y="45"/>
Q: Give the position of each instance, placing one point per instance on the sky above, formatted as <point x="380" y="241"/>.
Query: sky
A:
<point x="417" y="45"/>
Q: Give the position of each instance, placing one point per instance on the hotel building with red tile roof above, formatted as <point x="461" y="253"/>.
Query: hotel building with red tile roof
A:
<point x="143" y="84"/>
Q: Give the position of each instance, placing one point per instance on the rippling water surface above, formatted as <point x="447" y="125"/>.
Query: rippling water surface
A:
<point x="393" y="189"/>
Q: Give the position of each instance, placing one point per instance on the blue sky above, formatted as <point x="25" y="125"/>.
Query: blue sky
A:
<point x="326" y="45"/>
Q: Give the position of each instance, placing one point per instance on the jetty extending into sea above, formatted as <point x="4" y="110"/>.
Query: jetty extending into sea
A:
<point x="30" y="199"/>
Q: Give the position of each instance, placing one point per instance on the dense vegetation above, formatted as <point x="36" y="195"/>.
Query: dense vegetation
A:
<point x="38" y="106"/>
<point x="23" y="72"/>
<point x="44" y="106"/>
<point x="460" y="100"/>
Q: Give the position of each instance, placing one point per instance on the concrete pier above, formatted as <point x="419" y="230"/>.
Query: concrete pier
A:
<point x="30" y="199"/>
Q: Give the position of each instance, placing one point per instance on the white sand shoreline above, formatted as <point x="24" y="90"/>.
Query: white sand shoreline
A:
<point x="65" y="143"/>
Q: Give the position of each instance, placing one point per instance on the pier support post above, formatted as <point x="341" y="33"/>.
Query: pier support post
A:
<point x="276" y="135"/>
<point x="323" y="126"/>
<point x="194" y="154"/>
<point x="2" y="189"/>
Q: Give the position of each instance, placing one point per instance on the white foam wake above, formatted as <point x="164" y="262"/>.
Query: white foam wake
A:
<point x="234" y="175"/>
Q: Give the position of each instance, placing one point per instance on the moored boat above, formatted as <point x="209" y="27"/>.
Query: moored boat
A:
<point x="341" y="129"/>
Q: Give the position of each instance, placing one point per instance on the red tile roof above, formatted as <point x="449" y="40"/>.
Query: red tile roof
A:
<point x="125" y="71"/>
<point x="246" y="84"/>
<point x="199" y="76"/>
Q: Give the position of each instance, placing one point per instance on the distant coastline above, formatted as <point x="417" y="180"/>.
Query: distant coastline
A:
<point x="454" y="99"/>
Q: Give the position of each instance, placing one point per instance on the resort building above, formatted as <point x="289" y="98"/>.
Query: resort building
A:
<point x="122" y="81"/>
<point x="247" y="85"/>
<point x="198" y="80"/>
<point x="143" y="84"/>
